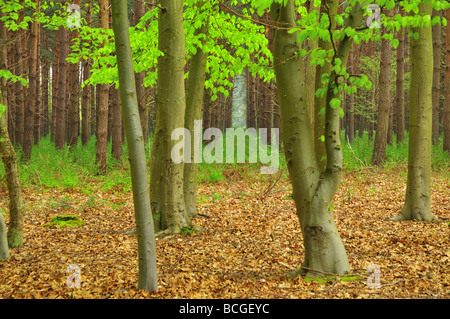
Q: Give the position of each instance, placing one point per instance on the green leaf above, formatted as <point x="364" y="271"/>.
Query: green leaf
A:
<point x="335" y="103"/>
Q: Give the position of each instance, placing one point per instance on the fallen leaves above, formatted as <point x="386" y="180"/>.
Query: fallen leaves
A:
<point x="249" y="243"/>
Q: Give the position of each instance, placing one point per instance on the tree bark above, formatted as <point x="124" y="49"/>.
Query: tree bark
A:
<point x="437" y="51"/>
<point x="313" y="190"/>
<point x="55" y="83"/>
<point x="60" y="117"/>
<point x="139" y="11"/>
<point x="329" y="7"/>
<point x="20" y="90"/>
<point x="4" y="249"/>
<point x="102" y="107"/>
<point x="194" y="101"/>
<point x="418" y="190"/>
<point x="167" y="176"/>
<point x="384" y="104"/>
<point x="148" y="279"/>
<point x="400" y="88"/>
<point x="15" y="230"/>
<point x="446" y="124"/>
<point x="74" y="101"/>
<point x="116" y="134"/>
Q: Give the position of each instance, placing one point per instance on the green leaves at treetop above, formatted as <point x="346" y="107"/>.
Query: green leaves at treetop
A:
<point x="232" y="44"/>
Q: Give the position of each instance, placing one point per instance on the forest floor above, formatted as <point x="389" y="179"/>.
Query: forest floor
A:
<point x="251" y="240"/>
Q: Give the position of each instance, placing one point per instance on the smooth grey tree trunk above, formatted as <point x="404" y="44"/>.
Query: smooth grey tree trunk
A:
<point x="136" y="151"/>
<point x="418" y="190"/>
<point x="4" y="249"/>
<point x="313" y="190"/>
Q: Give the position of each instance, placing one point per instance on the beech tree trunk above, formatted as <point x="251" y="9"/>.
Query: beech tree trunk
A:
<point x="166" y="189"/>
<point x="139" y="11"/>
<point x="148" y="279"/>
<point x="330" y="6"/>
<point x="4" y="249"/>
<point x="418" y="190"/>
<point x="194" y="102"/>
<point x="313" y="190"/>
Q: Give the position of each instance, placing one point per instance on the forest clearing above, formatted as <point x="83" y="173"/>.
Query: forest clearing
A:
<point x="224" y="149"/>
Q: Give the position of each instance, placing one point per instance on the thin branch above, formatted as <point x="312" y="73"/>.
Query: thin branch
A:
<point x="253" y="20"/>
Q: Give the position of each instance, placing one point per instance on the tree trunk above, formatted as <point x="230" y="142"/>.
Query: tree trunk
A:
<point x="4" y="249"/>
<point x="148" y="279"/>
<point x="330" y="6"/>
<point x="116" y="134"/>
<point x="55" y="83"/>
<point x="446" y="125"/>
<point x="166" y="175"/>
<point x="15" y="230"/>
<point x="350" y="129"/>
<point x="437" y="51"/>
<point x="62" y="89"/>
<point x="20" y="90"/>
<point x="384" y="104"/>
<point x="418" y="190"/>
<point x="400" y="88"/>
<point x="74" y="102"/>
<point x="194" y="101"/>
<point x="102" y="107"/>
<point x="139" y="11"/>
<point x="85" y="106"/>
<point x="313" y="190"/>
<point x="44" y="98"/>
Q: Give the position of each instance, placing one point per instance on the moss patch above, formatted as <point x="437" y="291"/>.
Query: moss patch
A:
<point x="65" y="221"/>
<point x="330" y="279"/>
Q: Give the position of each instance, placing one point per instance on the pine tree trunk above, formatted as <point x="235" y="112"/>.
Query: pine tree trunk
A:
<point x="55" y="84"/>
<point x="86" y="97"/>
<point x="102" y="107"/>
<point x="384" y="104"/>
<point x="20" y="92"/>
<point x="60" y="118"/>
<point x="446" y="125"/>
<point x="148" y="279"/>
<point x="418" y="190"/>
<point x="437" y="51"/>
<point x="400" y="88"/>
<point x="74" y="102"/>
<point x="116" y="134"/>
